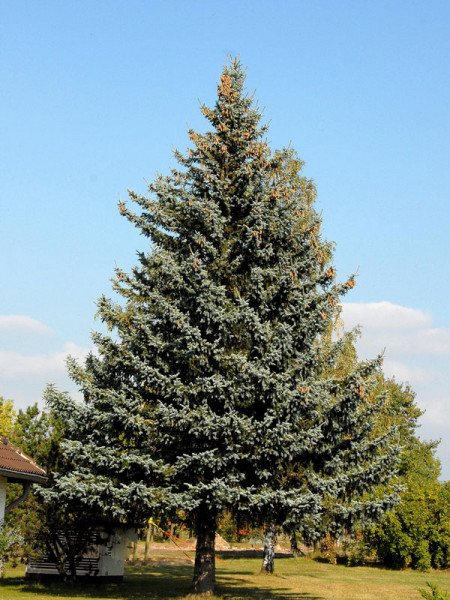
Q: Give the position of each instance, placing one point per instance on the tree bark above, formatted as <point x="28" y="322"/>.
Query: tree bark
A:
<point x="148" y="540"/>
<point x="294" y="545"/>
<point x="205" y="567"/>
<point x="269" y="549"/>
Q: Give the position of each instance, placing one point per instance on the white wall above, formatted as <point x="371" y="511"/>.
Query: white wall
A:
<point x="113" y="554"/>
<point x="3" y="481"/>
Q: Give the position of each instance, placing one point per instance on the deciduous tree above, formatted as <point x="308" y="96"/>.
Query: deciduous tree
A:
<point x="6" y="416"/>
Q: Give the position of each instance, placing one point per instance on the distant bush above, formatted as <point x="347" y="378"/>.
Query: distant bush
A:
<point x="416" y="533"/>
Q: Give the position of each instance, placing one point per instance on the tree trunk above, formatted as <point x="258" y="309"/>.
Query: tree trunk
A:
<point x="269" y="549"/>
<point x="205" y="568"/>
<point x="148" y="540"/>
<point x="294" y="545"/>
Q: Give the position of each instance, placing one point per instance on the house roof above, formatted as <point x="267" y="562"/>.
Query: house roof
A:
<point x="17" y="465"/>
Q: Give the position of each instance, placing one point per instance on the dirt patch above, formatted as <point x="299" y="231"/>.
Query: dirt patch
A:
<point x="175" y="552"/>
<point x="221" y="544"/>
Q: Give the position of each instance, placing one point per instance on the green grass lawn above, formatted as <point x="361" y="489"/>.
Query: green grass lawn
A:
<point x="296" y="579"/>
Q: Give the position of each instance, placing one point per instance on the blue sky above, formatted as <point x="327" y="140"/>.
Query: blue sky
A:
<point x="95" y="95"/>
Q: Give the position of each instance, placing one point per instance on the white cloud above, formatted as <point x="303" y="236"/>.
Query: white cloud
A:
<point x="398" y="329"/>
<point x="23" y="323"/>
<point x="14" y="365"/>
<point x="437" y="413"/>
<point x="416" y="353"/>
<point x="382" y="315"/>
<point x="411" y="374"/>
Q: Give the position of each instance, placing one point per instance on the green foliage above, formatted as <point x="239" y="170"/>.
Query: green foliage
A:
<point x="38" y="433"/>
<point x="6" y="417"/>
<point x="233" y="530"/>
<point x="417" y="532"/>
<point x="44" y="526"/>
<point x="218" y="389"/>
<point x="10" y="540"/>
<point x="433" y="593"/>
<point x="228" y="528"/>
<point x="26" y="518"/>
<point x="357" y="552"/>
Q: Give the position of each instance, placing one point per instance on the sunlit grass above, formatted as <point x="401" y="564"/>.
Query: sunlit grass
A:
<point x="168" y="576"/>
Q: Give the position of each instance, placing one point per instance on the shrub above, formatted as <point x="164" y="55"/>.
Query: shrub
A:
<point x="434" y="593"/>
<point x="10" y="539"/>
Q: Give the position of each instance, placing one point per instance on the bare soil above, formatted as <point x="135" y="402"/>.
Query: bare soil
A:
<point x="175" y="552"/>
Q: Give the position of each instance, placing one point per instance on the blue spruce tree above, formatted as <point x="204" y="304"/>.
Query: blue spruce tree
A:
<point x="216" y="389"/>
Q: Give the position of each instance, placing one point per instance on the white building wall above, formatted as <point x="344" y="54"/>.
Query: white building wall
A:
<point x="3" y="481"/>
<point x="114" y="553"/>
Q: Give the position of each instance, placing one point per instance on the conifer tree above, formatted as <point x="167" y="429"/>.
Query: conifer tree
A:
<point x="210" y="394"/>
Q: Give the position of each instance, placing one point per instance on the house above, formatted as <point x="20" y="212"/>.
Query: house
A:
<point x="102" y="561"/>
<point x="107" y="550"/>
<point x="16" y="467"/>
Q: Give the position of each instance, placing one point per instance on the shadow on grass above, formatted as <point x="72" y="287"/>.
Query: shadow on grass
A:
<point x="146" y="583"/>
<point x="158" y="582"/>
<point x="254" y="553"/>
<point x="343" y="562"/>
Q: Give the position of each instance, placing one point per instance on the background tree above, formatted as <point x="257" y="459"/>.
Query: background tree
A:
<point x="31" y="431"/>
<point x="6" y="416"/>
<point x="61" y="533"/>
<point x="417" y="533"/>
<point x="210" y="394"/>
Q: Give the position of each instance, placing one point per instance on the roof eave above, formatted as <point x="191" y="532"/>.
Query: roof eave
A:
<point x="18" y="476"/>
